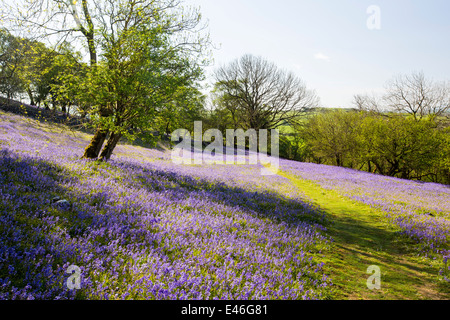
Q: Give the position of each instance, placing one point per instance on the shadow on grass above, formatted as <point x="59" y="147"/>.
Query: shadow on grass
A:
<point x="38" y="251"/>
<point x="32" y="254"/>
<point x="363" y="238"/>
<point x="264" y="204"/>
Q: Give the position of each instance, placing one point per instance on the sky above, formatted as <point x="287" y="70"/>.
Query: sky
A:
<point x="339" y="48"/>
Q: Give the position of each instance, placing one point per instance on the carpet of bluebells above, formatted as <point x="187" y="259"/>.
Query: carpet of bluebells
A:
<point x="420" y="210"/>
<point x="141" y="227"/>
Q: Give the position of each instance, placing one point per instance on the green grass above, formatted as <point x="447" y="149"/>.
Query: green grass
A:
<point x="363" y="237"/>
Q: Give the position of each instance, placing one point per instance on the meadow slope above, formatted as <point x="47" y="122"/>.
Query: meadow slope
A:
<point x="142" y="227"/>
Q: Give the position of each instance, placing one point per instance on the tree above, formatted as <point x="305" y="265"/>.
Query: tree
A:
<point x="261" y="96"/>
<point x="63" y="20"/>
<point x="226" y="111"/>
<point x="96" y="21"/>
<point x="29" y="66"/>
<point x="442" y="168"/>
<point x="11" y="57"/>
<point x="40" y="69"/>
<point x="397" y="145"/>
<point x="140" y="74"/>
<point x="401" y="147"/>
<point x="25" y="67"/>
<point x="412" y="94"/>
<point x="66" y="74"/>
<point x="331" y="136"/>
<point x="369" y="103"/>
<point x="185" y="107"/>
<point x="418" y="96"/>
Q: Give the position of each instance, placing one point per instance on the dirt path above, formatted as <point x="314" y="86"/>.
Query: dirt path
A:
<point x="363" y="238"/>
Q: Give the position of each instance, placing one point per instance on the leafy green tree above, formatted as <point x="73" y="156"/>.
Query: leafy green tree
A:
<point x="227" y="112"/>
<point x="389" y="144"/>
<point x="11" y="58"/>
<point x="34" y="70"/>
<point x="331" y="136"/>
<point x="399" y="146"/>
<point x="185" y="107"/>
<point x="442" y="166"/>
<point x="65" y="75"/>
<point x="97" y="22"/>
<point x="139" y="76"/>
<point x="29" y="66"/>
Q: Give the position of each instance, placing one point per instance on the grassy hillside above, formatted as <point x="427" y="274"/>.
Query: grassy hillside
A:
<point x="398" y="225"/>
<point x="141" y="227"/>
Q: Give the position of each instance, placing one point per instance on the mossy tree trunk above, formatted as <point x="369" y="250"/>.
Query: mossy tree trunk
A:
<point x="93" y="149"/>
<point x="110" y="145"/>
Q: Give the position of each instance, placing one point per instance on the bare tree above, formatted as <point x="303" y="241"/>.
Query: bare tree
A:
<point x="418" y="96"/>
<point x="264" y="96"/>
<point x="366" y="102"/>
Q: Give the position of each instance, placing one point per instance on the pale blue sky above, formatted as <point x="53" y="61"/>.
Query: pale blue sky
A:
<point x="327" y="42"/>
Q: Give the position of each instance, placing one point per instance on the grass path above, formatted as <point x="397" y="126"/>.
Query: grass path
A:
<point x="363" y="237"/>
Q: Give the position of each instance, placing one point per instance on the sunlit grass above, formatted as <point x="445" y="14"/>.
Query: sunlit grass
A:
<point x="142" y="227"/>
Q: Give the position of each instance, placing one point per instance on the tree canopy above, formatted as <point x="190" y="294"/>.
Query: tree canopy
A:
<point x="144" y="57"/>
<point x="259" y="95"/>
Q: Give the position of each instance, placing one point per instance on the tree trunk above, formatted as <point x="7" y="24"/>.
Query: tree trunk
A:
<point x="167" y="128"/>
<point x="338" y="160"/>
<point x="30" y="94"/>
<point x="89" y="34"/>
<point x="110" y="145"/>
<point x="93" y="149"/>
